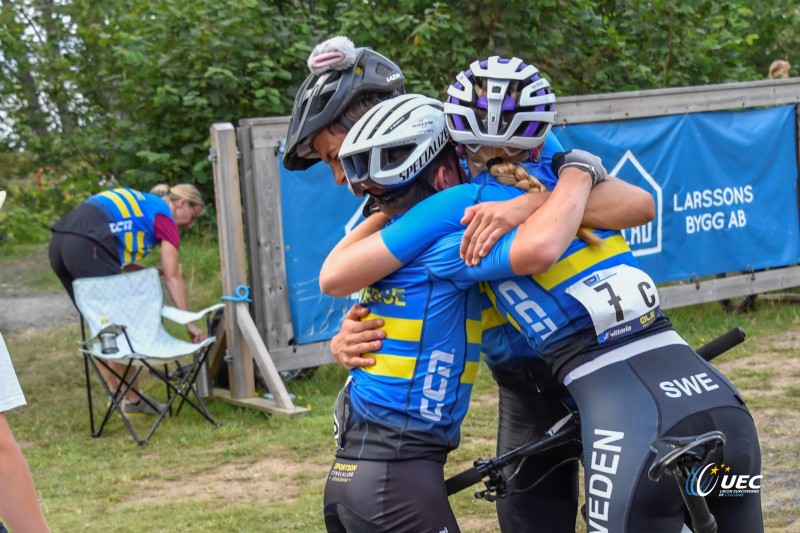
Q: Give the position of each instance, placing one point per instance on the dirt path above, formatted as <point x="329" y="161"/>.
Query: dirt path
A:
<point x="37" y="311"/>
<point x="19" y="309"/>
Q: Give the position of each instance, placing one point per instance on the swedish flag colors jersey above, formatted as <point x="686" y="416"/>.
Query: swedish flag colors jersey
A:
<point x="592" y="295"/>
<point x="502" y="344"/>
<point x="411" y="404"/>
<point x="131" y="215"/>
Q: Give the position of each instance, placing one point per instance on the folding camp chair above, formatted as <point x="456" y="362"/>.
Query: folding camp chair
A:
<point x="124" y="316"/>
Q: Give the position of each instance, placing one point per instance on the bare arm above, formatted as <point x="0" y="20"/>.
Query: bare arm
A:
<point x="613" y="204"/>
<point x="616" y="204"/>
<point x="18" y="504"/>
<point x="546" y="234"/>
<point x="177" y="289"/>
<point x="359" y="259"/>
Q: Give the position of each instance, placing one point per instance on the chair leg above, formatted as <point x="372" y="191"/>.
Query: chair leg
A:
<point x="87" y="376"/>
<point x="115" y="397"/>
<point x="186" y="386"/>
<point x="89" y="392"/>
<point x="191" y="386"/>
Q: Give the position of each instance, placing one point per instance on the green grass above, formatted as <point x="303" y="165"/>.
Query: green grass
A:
<point x="266" y="473"/>
<point x="26" y="267"/>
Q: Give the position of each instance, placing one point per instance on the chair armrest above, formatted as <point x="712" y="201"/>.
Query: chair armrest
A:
<point x="180" y="316"/>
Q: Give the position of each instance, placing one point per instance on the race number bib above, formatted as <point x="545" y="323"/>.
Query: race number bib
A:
<point x="621" y="300"/>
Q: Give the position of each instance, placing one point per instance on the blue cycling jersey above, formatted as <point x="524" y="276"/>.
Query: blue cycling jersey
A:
<point x="563" y="311"/>
<point x="131" y="215"/>
<point x="412" y="402"/>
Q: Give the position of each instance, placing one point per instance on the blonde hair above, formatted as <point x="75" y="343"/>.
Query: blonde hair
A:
<point x="510" y="172"/>
<point x="779" y="69"/>
<point x="187" y="191"/>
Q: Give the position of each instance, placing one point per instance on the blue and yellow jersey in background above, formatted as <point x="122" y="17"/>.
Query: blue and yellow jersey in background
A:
<point x="410" y="405"/>
<point x="556" y="325"/>
<point x="131" y="215"/>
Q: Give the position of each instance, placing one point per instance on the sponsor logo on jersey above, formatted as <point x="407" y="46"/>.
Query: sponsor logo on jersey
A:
<point x="392" y="296"/>
<point x="121" y="226"/>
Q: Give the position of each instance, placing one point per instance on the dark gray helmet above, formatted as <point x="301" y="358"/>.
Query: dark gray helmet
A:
<point x="323" y="98"/>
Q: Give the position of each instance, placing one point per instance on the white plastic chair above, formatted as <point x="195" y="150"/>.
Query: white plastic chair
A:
<point x="124" y="315"/>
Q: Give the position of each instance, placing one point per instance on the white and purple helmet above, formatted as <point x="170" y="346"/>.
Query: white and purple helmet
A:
<point x="500" y="102"/>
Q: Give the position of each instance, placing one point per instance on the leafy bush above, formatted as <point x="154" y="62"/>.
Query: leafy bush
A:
<point x="31" y="208"/>
<point x="126" y="90"/>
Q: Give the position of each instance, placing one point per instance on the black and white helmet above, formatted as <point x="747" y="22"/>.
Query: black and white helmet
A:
<point x="330" y="90"/>
<point x="500" y="102"/>
<point x="393" y="143"/>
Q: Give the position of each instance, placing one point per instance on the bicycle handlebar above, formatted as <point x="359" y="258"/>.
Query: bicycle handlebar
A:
<point x="462" y="480"/>
<point x="721" y="344"/>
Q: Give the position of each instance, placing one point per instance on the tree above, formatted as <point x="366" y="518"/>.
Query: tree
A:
<point x="124" y="91"/>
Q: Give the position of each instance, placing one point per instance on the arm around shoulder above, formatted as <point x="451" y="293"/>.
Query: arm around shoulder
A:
<point x="616" y="204"/>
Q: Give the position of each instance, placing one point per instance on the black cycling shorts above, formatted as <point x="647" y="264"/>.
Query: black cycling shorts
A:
<point x="75" y="256"/>
<point x="632" y="395"/>
<point x="544" y="486"/>
<point x="398" y="496"/>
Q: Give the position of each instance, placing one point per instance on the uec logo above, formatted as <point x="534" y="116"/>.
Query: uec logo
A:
<point x="702" y="481"/>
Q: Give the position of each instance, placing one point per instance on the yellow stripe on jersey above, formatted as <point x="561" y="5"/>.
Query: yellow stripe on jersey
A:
<point x="581" y="261"/>
<point x="470" y="372"/>
<point x="487" y="289"/>
<point x="128" y="246"/>
<point x="474" y="331"/>
<point x="393" y="366"/>
<point x="131" y="200"/>
<point x="493" y="298"/>
<point x="123" y="209"/>
<point x="401" y="329"/>
<point x="139" y="245"/>
<point x="491" y="318"/>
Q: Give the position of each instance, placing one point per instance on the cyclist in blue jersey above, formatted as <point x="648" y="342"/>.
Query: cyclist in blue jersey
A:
<point x="397" y="420"/>
<point x="111" y="231"/>
<point x="594" y="318"/>
<point x="345" y="83"/>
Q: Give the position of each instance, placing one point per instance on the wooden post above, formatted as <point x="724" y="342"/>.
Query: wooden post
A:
<point x="242" y="337"/>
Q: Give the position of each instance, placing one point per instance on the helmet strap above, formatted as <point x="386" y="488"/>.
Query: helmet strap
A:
<point x="346" y="122"/>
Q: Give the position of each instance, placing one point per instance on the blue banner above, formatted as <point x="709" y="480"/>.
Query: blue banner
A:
<point x="725" y="185"/>
<point x="316" y="215"/>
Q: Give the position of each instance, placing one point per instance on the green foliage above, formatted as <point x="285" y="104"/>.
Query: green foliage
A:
<point x="33" y="205"/>
<point x="125" y="91"/>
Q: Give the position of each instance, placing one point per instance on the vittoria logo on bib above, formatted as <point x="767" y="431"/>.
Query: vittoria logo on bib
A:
<point x="704" y="479"/>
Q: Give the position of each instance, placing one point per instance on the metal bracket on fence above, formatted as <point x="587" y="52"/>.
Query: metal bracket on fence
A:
<point x="213" y="156"/>
<point x="696" y="281"/>
<point x="752" y="272"/>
